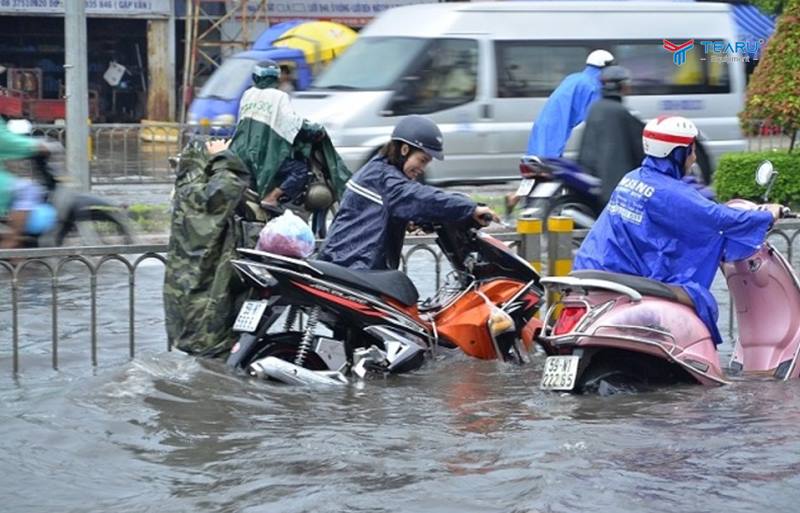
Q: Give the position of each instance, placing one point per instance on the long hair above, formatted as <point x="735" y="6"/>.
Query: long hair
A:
<point x="391" y="151"/>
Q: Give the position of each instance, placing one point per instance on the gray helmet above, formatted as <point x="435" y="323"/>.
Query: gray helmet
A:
<point x="265" y="73"/>
<point x="614" y="78"/>
<point x="420" y="132"/>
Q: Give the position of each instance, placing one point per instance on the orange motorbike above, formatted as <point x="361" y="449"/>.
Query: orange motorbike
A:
<point x="316" y="322"/>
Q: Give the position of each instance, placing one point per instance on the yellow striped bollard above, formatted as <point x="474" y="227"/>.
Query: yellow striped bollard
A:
<point x="530" y="236"/>
<point x="559" y="248"/>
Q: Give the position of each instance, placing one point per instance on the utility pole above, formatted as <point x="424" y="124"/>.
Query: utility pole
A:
<point x="76" y="70"/>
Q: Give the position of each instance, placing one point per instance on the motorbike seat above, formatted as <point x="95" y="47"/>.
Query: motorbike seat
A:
<point x="644" y="286"/>
<point x="394" y="284"/>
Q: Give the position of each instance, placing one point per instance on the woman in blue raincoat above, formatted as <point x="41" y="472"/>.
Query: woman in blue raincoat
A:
<point x="659" y="227"/>
<point x="383" y="197"/>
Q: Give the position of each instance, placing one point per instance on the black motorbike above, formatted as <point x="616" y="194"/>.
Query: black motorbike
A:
<point x="85" y="217"/>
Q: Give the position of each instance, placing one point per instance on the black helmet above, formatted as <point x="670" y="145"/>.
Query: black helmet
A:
<point x="265" y="73"/>
<point x="614" y="78"/>
<point x="420" y="132"/>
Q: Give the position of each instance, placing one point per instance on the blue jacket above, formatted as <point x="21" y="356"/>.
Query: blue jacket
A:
<point x="659" y="227"/>
<point x="564" y="110"/>
<point x="379" y="202"/>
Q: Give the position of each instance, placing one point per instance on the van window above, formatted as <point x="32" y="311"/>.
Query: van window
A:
<point x="531" y="68"/>
<point x="371" y="64"/>
<point x="228" y="81"/>
<point x="535" y="68"/>
<point x="653" y="72"/>
<point x="446" y="77"/>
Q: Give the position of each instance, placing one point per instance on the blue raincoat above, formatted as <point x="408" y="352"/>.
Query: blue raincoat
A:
<point x="662" y="228"/>
<point x="564" y="110"/>
<point x="379" y="202"/>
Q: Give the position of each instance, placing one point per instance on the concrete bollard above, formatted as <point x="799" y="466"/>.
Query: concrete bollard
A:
<point x="559" y="246"/>
<point x="559" y="250"/>
<point x="530" y="232"/>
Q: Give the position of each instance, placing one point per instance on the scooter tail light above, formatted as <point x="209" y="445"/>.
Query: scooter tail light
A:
<point x="569" y="318"/>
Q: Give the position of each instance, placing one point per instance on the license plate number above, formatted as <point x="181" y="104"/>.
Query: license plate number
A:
<point x="525" y="187"/>
<point x="249" y="316"/>
<point x="560" y="373"/>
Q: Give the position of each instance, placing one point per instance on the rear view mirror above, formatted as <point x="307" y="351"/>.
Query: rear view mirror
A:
<point x="764" y="173"/>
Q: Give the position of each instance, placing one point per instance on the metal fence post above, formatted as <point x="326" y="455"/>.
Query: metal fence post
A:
<point x="530" y="235"/>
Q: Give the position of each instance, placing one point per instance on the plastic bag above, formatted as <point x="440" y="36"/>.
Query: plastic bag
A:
<point x="287" y="235"/>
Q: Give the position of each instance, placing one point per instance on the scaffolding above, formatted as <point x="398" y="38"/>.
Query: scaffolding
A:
<point x="206" y="43"/>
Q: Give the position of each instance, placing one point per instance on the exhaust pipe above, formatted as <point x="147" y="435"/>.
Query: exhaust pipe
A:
<point x="291" y="374"/>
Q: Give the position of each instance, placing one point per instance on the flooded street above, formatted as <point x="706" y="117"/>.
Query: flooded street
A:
<point x="167" y="432"/>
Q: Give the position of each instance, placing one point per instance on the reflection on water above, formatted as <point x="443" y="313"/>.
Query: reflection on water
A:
<point x="166" y="432"/>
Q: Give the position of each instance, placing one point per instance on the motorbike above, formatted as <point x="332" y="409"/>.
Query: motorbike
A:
<point x="614" y="332"/>
<point x="561" y="187"/>
<point x="94" y="220"/>
<point x="311" y="321"/>
<point x="556" y="187"/>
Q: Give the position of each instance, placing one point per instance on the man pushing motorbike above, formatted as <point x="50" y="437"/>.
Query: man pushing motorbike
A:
<point x="660" y="227"/>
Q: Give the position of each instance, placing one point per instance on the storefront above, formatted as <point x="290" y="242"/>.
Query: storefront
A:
<point x="118" y="31"/>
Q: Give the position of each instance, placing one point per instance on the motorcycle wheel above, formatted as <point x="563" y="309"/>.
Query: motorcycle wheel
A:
<point x="285" y="346"/>
<point x="97" y="226"/>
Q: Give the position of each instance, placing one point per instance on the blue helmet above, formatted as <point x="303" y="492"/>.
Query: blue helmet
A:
<point x="266" y="73"/>
<point x="422" y="133"/>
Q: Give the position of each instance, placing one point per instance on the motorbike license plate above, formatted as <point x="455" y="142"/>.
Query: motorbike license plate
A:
<point x="525" y="187"/>
<point x="249" y="316"/>
<point x="559" y="372"/>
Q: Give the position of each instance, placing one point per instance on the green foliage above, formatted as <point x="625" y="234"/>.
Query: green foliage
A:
<point x="770" y="7"/>
<point x="150" y="218"/>
<point x="735" y="176"/>
<point x="772" y="94"/>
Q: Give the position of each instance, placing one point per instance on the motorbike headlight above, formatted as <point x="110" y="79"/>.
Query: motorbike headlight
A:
<point x="224" y="119"/>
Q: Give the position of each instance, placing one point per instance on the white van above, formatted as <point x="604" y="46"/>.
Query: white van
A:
<point x="483" y="70"/>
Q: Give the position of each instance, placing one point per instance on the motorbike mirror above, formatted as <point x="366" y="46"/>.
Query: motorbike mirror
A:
<point x="764" y="173"/>
<point x="20" y="126"/>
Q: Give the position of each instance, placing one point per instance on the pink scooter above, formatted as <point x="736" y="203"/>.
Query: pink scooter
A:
<point x="615" y="332"/>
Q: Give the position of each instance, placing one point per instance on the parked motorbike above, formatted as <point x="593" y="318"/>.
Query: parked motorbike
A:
<point x="612" y="332"/>
<point x="94" y="220"/>
<point x="317" y="322"/>
<point x="561" y="187"/>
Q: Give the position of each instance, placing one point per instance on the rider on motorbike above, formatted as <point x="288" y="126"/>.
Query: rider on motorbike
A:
<point x="611" y="144"/>
<point x="21" y="201"/>
<point x="266" y="136"/>
<point x="660" y="227"/>
<point x="383" y="197"/>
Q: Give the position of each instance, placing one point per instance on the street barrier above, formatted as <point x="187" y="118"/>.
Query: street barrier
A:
<point x="555" y="257"/>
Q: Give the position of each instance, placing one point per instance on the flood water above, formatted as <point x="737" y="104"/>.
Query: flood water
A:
<point x="165" y="432"/>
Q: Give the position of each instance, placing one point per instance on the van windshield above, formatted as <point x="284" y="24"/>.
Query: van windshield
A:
<point x="372" y="63"/>
<point x="228" y="81"/>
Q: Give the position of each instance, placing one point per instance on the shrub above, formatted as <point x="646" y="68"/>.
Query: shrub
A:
<point x="735" y="176"/>
<point x="772" y="95"/>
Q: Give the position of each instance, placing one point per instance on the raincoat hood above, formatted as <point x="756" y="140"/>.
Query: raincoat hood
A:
<point x="672" y="165"/>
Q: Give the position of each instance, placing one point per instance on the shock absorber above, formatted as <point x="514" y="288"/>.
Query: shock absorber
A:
<point x="308" y="337"/>
<point x="291" y="316"/>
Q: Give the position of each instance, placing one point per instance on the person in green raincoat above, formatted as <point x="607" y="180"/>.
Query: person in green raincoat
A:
<point x="272" y="139"/>
<point x="18" y="198"/>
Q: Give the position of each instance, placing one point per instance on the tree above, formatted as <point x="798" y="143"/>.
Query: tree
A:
<point x="771" y="7"/>
<point x="773" y="94"/>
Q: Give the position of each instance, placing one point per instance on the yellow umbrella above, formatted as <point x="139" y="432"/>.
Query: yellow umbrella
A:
<point x="321" y="41"/>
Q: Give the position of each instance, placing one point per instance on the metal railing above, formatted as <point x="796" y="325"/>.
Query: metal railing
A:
<point x="54" y="260"/>
<point x="132" y="153"/>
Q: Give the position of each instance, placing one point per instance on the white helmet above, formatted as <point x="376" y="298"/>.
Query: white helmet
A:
<point x="599" y="58"/>
<point x="665" y="133"/>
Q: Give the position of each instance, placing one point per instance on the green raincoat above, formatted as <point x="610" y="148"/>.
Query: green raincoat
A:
<point x="202" y="294"/>
<point x="267" y="134"/>
<point x="12" y="146"/>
